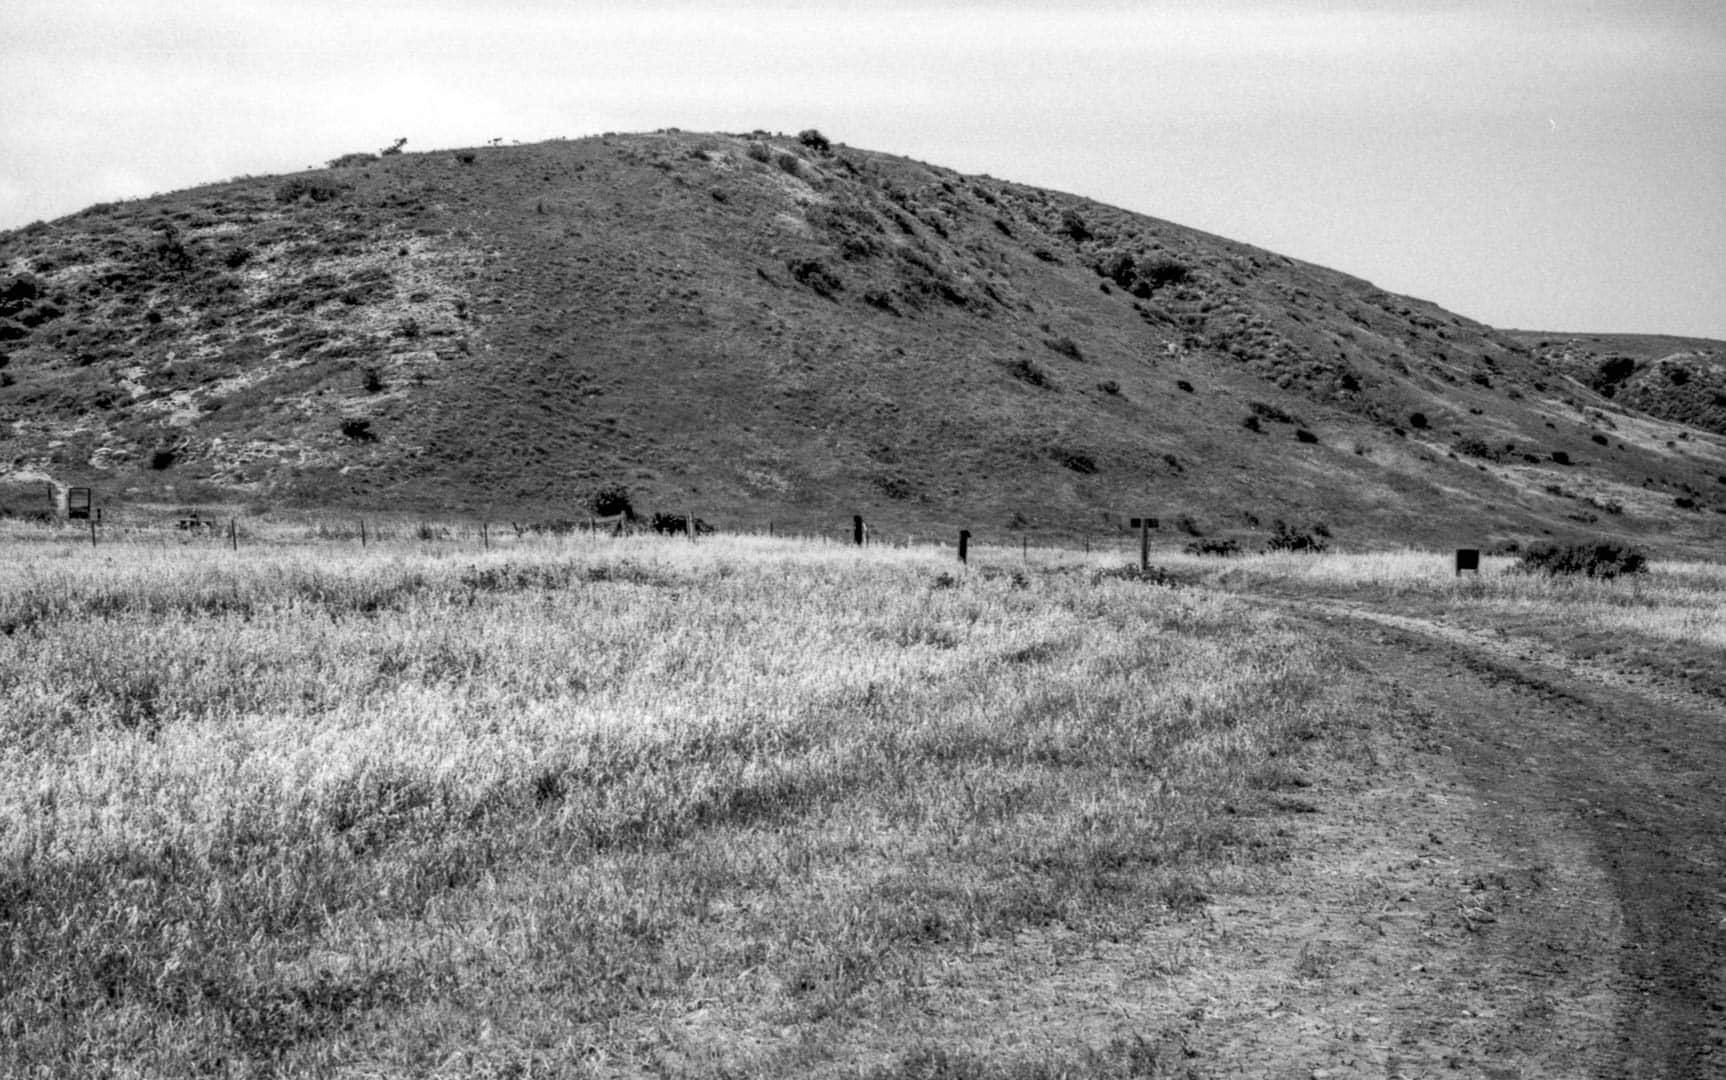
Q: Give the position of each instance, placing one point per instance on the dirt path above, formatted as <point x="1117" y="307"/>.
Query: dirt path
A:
<point x="1591" y="827"/>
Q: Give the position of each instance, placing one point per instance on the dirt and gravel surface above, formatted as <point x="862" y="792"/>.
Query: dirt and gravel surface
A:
<point x="1518" y="871"/>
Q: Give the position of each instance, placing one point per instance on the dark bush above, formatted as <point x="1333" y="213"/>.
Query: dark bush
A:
<point x="316" y="188"/>
<point x="1251" y="423"/>
<point x="1066" y="346"/>
<point x="1417" y="421"/>
<point x="1270" y="412"/>
<point x="1559" y="457"/>
<point x="1222" y="547"/>
<point x="1597" y="439"/>
<point x="1027" y="371"/>
<point x="1684" y="502"/>
<point x="359" y="430"/>
<point x="678" y="524"/>
<point x="1475" y="448"/>
<point x="815" y="274"/>
<point x="1598" y="560"/>
<point x="373" y="381"/>
<point x="1120" y="268"/>
<point x="348" y="161"/>
<point x="1109" y="386"/>
<point x="611" y="500"/>
<point x="163" y="457"/>
<point x="1305" y="436"/>
<point x="1612" y="371"/>
<point x="466" y="157"/>
<point x="1073" y="224"/>
<point x="1285" y="538"/>
<point x="1163" y="272"/>
<point x="1076" y="460"/>
<point x="814" y="140"/>
<point x="1184" y="385"/>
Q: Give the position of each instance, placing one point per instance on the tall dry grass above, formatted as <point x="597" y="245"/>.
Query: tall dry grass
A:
<point x="302" y="807"/>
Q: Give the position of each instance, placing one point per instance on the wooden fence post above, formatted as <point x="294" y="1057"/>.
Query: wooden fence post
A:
<point x="92" y="532"/>
<point x="233" y="535"/>
<point x="362" y="532"/>
<point x="964" y="546"/>
<point x="857" y="529"/>
<point x="1144" y="545"/>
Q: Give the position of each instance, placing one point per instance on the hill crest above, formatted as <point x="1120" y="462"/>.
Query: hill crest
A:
<point x="765" y="327"/>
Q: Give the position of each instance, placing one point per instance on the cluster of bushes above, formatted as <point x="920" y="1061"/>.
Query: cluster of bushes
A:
<point x="1141" y="275"/>
<point x="1219" y="546"/>
<point x="678" y="524"/>
<point x="816" y="274"/>
<point x="1286" y="538"/>
<point x="316" y="188"/>
<point x="1602" y="559"/>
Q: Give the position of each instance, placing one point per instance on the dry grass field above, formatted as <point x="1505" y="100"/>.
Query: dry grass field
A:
<point x="743" y="807"/>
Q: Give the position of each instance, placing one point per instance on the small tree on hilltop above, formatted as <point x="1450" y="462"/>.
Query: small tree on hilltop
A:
<point x="814" y="140"/>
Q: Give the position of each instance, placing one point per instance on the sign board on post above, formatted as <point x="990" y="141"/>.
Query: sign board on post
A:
<point x="1467" y="559"/>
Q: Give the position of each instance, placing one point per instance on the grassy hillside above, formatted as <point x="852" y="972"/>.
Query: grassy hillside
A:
<point x="770" y="328"/>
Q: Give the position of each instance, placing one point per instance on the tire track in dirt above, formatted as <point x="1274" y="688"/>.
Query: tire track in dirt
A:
<point x="1632" y="765"/>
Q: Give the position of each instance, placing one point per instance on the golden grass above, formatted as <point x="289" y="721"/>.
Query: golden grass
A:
<point x="306" y="806"/>
<point x="1674" y="601"/>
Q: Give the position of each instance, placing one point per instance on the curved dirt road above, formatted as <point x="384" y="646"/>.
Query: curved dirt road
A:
<point x="1601" y="792"/>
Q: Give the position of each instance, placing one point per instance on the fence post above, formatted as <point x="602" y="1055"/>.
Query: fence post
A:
<point x="485" y="535"/>
<point x="857" y="529"/>
<point x="1144" y="545"/>
<point x="233" y="535"/>
<point x="92" y="532"/>
<point x="362" y="532"/>
<point x="964" y="546"/>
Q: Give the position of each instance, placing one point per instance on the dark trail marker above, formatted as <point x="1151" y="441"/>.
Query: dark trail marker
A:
<point x="1144" y="527"/>
<point x="1467" y="559"/>
<point x="964" y="545"/>
<point x="857" y="528"/>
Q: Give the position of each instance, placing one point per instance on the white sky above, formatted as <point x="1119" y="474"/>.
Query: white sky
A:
<point x="1547" y="164"/>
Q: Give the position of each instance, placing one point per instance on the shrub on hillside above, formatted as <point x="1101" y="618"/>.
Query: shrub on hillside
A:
<point x="1073" y="224"/>
<point x="1475" y="448"/>
<point x="1218" y="546"/>
<point x="1165" y="271"/>
<point x="1066" y="346"/>
<point x="815" y="274"/>
<point x="348" y="161"/>
<point x="611" y="500"/>
<point x="359" y="430"/>
<point x="1027" y="371"/>
<point x="1612" y="371"/>
<point x="814" y="140"/>
<point x="316" y="188"/>
<point x="1286" y="538"/>
<point x="678" y="524"/>
<point x="1603" y="559"/>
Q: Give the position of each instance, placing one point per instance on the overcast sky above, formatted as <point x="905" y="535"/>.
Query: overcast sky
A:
<point x="1543" y="164"/>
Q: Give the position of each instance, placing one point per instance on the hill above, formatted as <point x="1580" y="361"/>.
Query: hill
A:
<point x="762" y="328"/>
